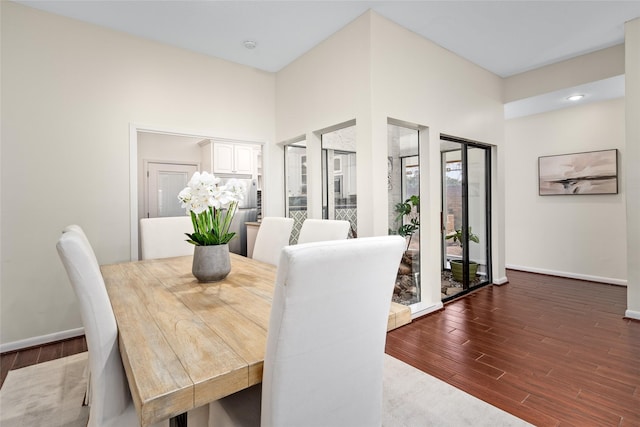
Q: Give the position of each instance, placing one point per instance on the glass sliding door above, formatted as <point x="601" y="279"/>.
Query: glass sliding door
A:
<point x="403" y="186"/>
<point x="477" y="212"/>
<point x="296" y="186"/>
<point x="339" y="195"/>
<point x="465" y="216"/>
<point x="451" y="201"/>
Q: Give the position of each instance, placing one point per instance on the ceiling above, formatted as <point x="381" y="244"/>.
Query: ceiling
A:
<point x="504" y="37"/>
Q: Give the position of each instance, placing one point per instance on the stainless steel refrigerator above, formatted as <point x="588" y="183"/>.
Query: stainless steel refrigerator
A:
<point x="247" y="212"/>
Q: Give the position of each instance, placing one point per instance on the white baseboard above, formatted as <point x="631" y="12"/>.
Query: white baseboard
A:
<point x="632" y="314"/>
<point x="43" y="339"/>
<point x="608" y="280"/>
<point x="421" y="309"/>
<point x="500" y="281"/>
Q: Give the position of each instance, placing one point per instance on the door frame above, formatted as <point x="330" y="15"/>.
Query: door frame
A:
<point x="465" y="144"/>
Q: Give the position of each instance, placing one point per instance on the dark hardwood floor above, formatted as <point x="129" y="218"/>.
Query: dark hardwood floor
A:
<point x="552" y="351"/>
<point x="30" y="356"/>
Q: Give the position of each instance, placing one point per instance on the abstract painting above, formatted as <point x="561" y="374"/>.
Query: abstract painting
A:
<point x="594" y="172"/>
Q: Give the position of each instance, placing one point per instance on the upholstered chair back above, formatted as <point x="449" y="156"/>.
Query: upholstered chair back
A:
<point x="273" y="235"/>
<point x="110" y="396"/>
<point x="319" y="230"/>
<point x="325" y="346"/>
<point x="165" y="237"/>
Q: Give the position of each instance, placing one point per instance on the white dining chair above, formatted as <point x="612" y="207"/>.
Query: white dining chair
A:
<point x="77" y="229"/>
<point x="87" y="375"/>
<point x="318" y="230"/>
<point x="273" y="235"/>
<point x="111" y="404"/>
<point x="80" y="231"/>
<point x="165" y="237"/>
<point x="324" y="355"/>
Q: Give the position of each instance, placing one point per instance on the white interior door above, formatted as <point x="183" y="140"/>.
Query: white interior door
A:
<point x="164" y="182"/>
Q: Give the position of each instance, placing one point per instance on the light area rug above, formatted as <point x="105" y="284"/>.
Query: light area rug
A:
<point x="412" y="398"/>
<point x="50" y="394"/>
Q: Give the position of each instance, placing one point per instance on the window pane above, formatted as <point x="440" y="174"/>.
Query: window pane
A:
<point x="403" y="183"/>
<point x="169" y="185"/>
<point x="465" y="239"/>
<point x="452" y="196"/>
<point x="296" y="185"/>
<point x="339" y="193"/>
<point x="477" y="172"/>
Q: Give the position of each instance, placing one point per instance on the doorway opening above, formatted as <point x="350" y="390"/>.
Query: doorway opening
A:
<point x="162" y="162"/>
<point x="466" y="199"/>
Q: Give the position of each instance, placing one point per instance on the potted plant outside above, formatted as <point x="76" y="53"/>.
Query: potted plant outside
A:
<point x="410" y="209"/>
<point x="456" y="264"/>
<point x="407" y="287"/>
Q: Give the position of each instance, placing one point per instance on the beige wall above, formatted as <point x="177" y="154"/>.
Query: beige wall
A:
<point x="576" y="236"/>
<point x="417" y="81"/>
<point x="69" y="94"/>
<point x="373" y="70"/>
<point x="327" y="86"/>
<point x="591" y="67"/>
<point x="632" y="162"/>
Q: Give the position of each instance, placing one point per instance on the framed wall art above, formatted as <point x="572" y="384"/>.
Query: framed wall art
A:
<point x="593" y="172"/>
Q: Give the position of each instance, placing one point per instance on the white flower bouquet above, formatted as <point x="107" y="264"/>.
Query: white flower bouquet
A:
<point x="212" y="207"/>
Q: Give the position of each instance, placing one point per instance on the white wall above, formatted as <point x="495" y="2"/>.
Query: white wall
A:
<point x="372" y="70"/>
<point x="69" y="93"/>
<point x="577" y="236"/>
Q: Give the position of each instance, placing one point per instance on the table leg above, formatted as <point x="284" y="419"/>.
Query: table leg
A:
<point x="178" y="420"/>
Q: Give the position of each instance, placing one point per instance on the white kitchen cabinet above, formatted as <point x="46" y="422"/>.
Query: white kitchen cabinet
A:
<point x="231" y="158"/>
<point x="257" y="165"/>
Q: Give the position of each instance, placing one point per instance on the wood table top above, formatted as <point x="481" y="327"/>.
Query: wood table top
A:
<point x="184" y="343"/>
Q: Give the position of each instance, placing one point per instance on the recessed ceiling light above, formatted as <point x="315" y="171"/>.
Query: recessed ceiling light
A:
<point x="249" y="44"/>
<point x="575" y="97"/>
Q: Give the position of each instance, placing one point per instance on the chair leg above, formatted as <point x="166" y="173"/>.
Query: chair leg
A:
<point x="87" y="393"/>
<point x="178" y="420"/>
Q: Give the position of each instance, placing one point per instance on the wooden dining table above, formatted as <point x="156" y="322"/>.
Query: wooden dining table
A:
<point x="184" y="343"/>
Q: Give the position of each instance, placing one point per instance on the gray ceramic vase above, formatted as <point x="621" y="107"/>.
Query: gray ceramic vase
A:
<point x="211" y="263"/>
